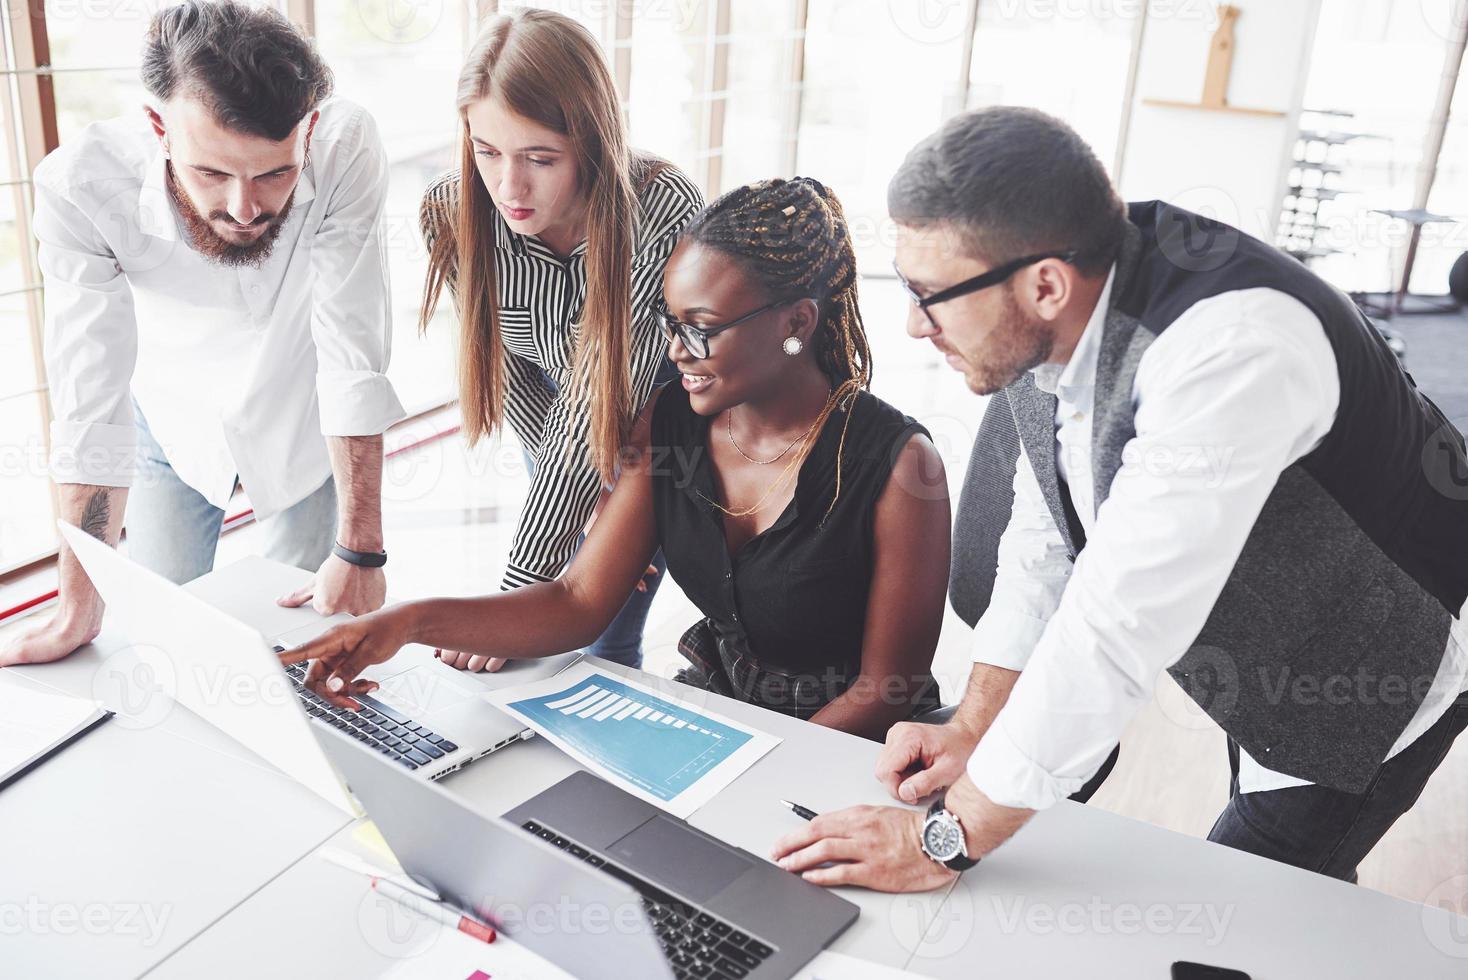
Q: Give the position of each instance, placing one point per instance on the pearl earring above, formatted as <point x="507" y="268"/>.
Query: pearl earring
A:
<point x="793" y="346"/>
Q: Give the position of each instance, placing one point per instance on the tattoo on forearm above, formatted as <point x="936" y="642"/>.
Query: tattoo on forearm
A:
<point x="97" y="515"/>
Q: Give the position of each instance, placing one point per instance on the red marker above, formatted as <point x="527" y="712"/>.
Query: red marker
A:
<point x="437" y="911"/>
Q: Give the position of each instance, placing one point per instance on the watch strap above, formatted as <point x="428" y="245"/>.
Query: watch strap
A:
<point x="362" y="559"/>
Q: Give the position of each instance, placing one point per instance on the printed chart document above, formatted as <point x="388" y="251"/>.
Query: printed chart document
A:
<point x="660" y="746"/>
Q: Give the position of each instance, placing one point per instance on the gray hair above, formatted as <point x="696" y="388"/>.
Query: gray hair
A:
<point x="1011" y="182"/>
<point x="249" y="65"/>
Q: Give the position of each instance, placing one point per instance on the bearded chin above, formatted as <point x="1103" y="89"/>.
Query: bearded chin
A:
<point x="1026" y="345"/>
<point x="214" y="246"/>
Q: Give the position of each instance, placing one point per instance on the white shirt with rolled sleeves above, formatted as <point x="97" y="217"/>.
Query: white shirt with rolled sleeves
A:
<point x="240" y="372"/>
<point x="1238" y="388"/>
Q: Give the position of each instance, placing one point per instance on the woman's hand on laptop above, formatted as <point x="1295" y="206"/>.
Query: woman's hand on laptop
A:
<point x="340" y="654"/>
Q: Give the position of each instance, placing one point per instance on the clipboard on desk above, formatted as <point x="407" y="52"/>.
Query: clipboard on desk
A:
<point x="38" y="725"/>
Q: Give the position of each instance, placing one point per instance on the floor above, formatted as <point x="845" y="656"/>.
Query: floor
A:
<point x="449" y="512"/>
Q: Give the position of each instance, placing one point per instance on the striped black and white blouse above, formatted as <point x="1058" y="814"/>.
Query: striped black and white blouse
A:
<point x="541" y="300"/>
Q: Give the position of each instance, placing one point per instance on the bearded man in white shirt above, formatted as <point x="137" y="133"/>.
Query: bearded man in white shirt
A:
<point x="1220" y="471"/>
<point x="217" y="313"/>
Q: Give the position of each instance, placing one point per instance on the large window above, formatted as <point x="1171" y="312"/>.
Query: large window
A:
<point x="1443" y="244"/>
<point x="729" y="91"/>
<point x="1380" y="62"/>
<point x="878" y="77"/>
<point x="400" y="61"/>
<point x="1071" y="61"/>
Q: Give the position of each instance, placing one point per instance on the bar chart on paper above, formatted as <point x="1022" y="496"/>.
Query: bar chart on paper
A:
<point x="656" y="744"/>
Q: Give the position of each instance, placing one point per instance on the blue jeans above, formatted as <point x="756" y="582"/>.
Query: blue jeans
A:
<point x="174" y="531"/>
<point x="1329" y="831"/>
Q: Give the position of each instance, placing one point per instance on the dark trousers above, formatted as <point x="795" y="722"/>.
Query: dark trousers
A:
<point x="1327" y="830"/>
<point x="1084" y="794"/>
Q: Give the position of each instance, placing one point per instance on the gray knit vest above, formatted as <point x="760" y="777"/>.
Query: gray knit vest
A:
<point x="1335" y="617"/>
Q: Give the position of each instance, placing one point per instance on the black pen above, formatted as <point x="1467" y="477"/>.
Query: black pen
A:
<point x="800" y="811"/>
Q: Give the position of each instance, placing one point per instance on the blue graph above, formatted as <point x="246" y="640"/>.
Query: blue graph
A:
<point x="657" y="745"/>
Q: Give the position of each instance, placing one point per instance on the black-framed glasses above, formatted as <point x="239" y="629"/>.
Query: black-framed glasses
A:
<point x="696" y="339"/>
<point x="983" y="280"/>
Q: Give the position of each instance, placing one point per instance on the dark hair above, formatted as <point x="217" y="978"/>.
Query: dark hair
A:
<point x="1013" y="182"/>
<point x="791" y="237"/>
<point x="248" y="65"/>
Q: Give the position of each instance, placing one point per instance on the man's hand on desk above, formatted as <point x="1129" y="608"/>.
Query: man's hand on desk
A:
<point x="879" y="847"/>
<point x="341" y="587"/>
<point x="919" y="759"/>
<point x="344" y="651"/>
<point x="874" y="847"/>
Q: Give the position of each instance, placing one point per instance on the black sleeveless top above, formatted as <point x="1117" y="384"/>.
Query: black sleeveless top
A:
<point x="786" y="614"/>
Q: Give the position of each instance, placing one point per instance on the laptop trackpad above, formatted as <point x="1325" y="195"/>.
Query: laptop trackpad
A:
<point x="667" y="852"/>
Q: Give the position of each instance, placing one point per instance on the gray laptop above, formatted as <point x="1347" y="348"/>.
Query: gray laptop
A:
<point x="679" y="902"/>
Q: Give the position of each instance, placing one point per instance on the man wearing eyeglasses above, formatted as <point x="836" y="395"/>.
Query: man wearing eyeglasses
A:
<point x="1221" y="472"/>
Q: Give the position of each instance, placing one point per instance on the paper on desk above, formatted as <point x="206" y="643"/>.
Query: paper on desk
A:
<point x="33" y="722"/>
<point x="838" y="966"/>
<point x="660" y="746"/>
<point x="370" y="838"/>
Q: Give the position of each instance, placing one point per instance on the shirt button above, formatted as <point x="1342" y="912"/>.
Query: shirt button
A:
<point x="1078" y="417"/>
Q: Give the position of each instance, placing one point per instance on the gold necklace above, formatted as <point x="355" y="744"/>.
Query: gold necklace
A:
<point x="784" y="474"/>
<point x="729" y="419"/>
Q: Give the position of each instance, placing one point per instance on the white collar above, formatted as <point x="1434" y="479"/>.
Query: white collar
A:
<point x="1074" y="380"/>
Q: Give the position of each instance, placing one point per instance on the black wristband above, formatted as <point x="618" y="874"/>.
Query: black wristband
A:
<point x="362" y="559"/>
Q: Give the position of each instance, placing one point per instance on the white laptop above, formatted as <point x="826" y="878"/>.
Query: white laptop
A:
<point x="427" y="716"/>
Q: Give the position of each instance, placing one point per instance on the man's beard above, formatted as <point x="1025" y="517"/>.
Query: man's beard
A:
<point x="216" y="247"/>
<point x="1018" y="345"/>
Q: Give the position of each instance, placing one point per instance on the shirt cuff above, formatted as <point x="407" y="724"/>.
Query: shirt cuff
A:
<point x="1005" y="637"/>
<point x="516" y="577"/>
<point x="1010" y="778"/>
<point x="356" y="403"/>
<point x="95" y="453"/>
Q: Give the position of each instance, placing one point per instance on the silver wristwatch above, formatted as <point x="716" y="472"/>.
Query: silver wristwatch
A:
<point x="943" y="838"/>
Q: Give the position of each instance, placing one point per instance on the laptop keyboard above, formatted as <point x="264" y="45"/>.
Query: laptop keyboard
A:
<point x="696" y="943"/>
<point x="376" y="725"/>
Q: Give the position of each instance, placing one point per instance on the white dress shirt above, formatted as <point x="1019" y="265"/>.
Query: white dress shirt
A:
<point x="1238" y="388"/>
<point x="240" y="372"/>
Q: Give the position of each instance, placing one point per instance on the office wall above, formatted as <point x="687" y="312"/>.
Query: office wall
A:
<point x="1227" y="165"/>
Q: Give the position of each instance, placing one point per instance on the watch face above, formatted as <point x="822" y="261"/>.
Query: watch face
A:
<point x="943" y="838"/>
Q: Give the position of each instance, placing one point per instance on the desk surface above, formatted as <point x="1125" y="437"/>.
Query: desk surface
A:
<point x="138" y="836"/>
<point x="1079" y="892"/>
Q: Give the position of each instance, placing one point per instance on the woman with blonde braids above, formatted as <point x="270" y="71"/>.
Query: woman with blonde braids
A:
<point x="806" y="518"/>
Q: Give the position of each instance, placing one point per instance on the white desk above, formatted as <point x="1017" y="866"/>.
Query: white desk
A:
<point x="98" y="879"/>
<point x="1079" y="892"/>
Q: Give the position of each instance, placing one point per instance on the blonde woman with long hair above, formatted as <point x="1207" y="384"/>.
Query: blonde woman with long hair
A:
<point x="552" y="236"/>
